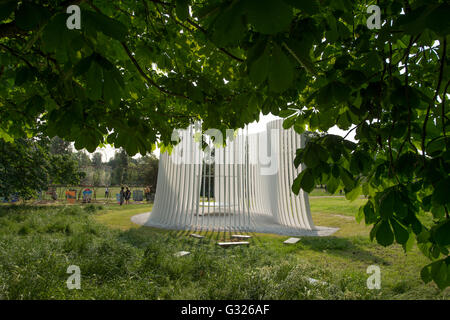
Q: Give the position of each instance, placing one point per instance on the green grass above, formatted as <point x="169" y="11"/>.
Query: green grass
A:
<point x="336" y="205"/>
<point x="317" y="192"/>
<point x="120" y="260"/>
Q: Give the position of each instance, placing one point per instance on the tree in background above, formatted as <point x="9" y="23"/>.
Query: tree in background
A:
<point x="97" y="164"/>
<point x="59" y="146"/>
<point x="27" y="167"/>
<point x="126" y="170"/>
<point x="24" y="168"/>
<point x="82" y="158"/>
<point x="63" y="170"/>
<point x="119" y="167"/>
<point x="97" y="160"/>
<point x="147" y="171"/>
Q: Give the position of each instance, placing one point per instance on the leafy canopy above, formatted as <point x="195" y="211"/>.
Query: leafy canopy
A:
<point x="138" y="69"/>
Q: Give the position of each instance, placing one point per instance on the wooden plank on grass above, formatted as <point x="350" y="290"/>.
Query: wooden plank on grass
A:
<point x="233" y="243"/>
<point x="292" y="240"/>
<point x="182" y="253"/>
<point x="240" y="236"/>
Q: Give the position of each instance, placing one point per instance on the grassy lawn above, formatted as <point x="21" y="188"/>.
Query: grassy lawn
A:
<point x="120" y="260"/>
<point x="336" y="205"/>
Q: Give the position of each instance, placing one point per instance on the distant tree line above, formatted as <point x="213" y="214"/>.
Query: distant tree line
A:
<point x="31" y="165"/>
<point x="119" y="170"/>
<point x="28" y="166"/>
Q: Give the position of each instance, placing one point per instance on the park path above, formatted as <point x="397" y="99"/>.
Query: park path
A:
<point x="326" y="197"/>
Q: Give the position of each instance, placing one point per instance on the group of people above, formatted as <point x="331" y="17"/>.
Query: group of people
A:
<point x="125" y="195"/>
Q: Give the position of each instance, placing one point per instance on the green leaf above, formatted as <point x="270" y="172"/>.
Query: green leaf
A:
<point x="195" y="93"/>
<point x="83" y="65"/>
<point x="7" y="8"/>
<point x="259" y="69"/>
<point x="94" y="81"/>
<point x="325" y="96"/>
<point x="280" y="71"/>
<point x="384" y="235"/>
<point x="440" y="274"/>
<point x="299" y="125"/>
<point x="229" y="27"/>
<point x="111" y="91"/>
<point x="359" y="215"/>
<point x="30" y="15"/>
<point x="442" y="233"/>
<point x="437" y="20"/>
<point x="288" y="122"/>
<point x="99" y="22"/>
<point x="340" y="91"/>
<point x="441" y="192"/>
<point x="322" y="152"/>
<point x="5" y="136"/>
<point x="332" y="33"/>
<point x="296" y="185"/>
<point x="35" y="105"/>
<point x="307" y="181"/>
<point x="22" y="75"/>
<point x="369" y="213"/>
<point x="314" y="121"/>
<point x="310" y="157"/>
<point x="374" y="230"/>
<point x="410" y="243"/>
<point x="425" y="274"/>
<point x="182" y="9"/>
<point x="435" y="146"/>
<point x="354" y="193"/>
<point x="400" y="209"/>
<point x="287" y="113"/>
<point x="54" y="34"/>
<point x="347" y="179"/>
<point x="387" y="204"/>
<point x="300" y="51"/>
<point x="268" y="16"/>
<point x="332" y="184"/>
<point x="400" y="232"/>
<point x="308" y="6"/>
<point x="298" y="157"/>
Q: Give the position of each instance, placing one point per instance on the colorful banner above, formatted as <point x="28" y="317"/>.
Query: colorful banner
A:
<point x="87" y="195"/>
<point x="71" y="196"/>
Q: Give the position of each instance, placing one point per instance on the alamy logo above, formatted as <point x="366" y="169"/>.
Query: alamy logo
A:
<point x="74" y="20"/>
<point x="374" y="21"/>
<point x="74" y="281"/>
<point x="374" y="281"/>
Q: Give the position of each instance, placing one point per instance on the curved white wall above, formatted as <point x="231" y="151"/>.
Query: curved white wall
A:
<point x="250" y="194"/>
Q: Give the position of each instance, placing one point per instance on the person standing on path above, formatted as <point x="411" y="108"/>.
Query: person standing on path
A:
<point x="127" y="196"/>
<point x="122" y="195"/>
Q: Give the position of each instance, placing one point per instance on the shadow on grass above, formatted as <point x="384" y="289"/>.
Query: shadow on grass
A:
<point x="334" y="246"/>
<point x="181" y="240"/>
<point x="342" y="247"/>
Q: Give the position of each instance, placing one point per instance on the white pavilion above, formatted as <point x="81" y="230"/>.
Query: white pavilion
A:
<point x="244" y="186"/>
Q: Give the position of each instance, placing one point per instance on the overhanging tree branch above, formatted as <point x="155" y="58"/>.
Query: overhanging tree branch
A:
<point x="441" y="73"/>
<point x="146" y="77"/>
